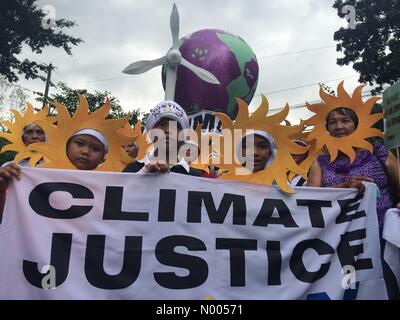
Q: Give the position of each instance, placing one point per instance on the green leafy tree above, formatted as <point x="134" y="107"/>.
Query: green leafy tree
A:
<point x="11" y="97"/>
<point x="327" y="89"/>
<point x="378" y="108"/>
<point x="8" y="155"/>
<point x="70" y="99"/>
<point x="21" y="22"/>
<point x="373" y="46"/>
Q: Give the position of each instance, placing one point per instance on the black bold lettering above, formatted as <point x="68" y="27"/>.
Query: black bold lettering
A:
<point x="59" y="260"/>
<point x="237" y="248"/>
<point x="198" y="120"/>
<point x="347" y="206"/>
<point x="113" y="207"/>
<point x="274" y="263"/>
<point x="94" y="263"/>
<point x="197" y="267"/>
<point x="347" y="252"/>
<point x="39" y="200"/>
<point x="297" y="265"/>
<point x="209" y="122"/>
<point x="314" y="210"/>
<point x="265" y="218"/>
<point x="166" y="205"/>
<point x="196" y="199"/>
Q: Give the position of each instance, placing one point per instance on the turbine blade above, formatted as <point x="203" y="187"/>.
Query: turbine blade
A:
<point x="139" y="67"/>
<point x="174" y="25"/>
<point x="203" y="74"/>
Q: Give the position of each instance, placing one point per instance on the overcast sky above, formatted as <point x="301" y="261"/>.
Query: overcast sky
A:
<point x="119" y="32"/>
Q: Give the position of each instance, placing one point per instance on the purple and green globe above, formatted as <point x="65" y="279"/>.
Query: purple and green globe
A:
<point x="225" y="55"/>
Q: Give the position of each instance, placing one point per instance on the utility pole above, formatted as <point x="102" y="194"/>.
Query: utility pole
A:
<point x="46" y="91"/>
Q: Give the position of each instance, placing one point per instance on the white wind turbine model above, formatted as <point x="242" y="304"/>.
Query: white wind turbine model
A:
<point x="172" y="59"/>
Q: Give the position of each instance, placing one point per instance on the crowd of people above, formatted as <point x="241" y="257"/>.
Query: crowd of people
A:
<point x="257" y="150"/>
<point x="87" y="148"/>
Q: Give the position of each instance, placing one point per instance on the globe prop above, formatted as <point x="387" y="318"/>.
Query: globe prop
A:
<point x="229" y="58"/>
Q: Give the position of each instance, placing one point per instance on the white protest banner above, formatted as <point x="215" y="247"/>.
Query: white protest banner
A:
<point x="391" y="252"/>
<point x="90" y="235"/>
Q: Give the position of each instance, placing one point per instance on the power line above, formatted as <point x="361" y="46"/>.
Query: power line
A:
<point x="122" y="77"/>
<point x="63" y="80"/>
<point x="59" y="75"/>
<point x="295" y="52"/>
<point x="304" y="86"/>
<point x="32" y="57"/>
<point x="260" y="58"/>
<point x="304" y="105"/>
<point x="116" y="78"/>
<point x="21" y="87"/>
<point x="8" y="99"/>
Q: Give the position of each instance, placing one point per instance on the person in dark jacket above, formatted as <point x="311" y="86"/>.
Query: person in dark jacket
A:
<point x="164" y="125"/>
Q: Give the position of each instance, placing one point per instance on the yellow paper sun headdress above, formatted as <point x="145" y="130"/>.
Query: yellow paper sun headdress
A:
<point x="144" y="144"/>
<point x="311" y="153"/>
<point x="357" y="139"/>
<point x="281" y="134"/>
<point x="16" y="129"/>
<point x="134" y="133"/>
<point x="54" y="149"/>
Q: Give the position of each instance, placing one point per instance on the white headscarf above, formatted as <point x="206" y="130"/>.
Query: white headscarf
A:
<point x="268" y="137"/>
<point x="94" y="133"/>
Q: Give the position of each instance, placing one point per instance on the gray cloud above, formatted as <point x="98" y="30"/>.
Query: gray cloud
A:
<point x="117" y="33"/>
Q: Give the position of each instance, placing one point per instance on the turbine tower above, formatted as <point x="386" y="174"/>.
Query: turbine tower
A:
<point x="172" y="59"/>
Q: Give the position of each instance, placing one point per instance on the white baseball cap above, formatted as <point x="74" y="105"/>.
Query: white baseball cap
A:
<point x="167" y="109"/>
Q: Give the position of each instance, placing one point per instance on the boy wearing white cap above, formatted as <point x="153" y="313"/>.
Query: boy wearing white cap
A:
<point x="170" y="119"/>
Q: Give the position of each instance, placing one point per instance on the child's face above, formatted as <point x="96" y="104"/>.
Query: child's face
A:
<point x="170" y="128"/>
<point x="85" y="152"/>
<point x="257" y="154"/>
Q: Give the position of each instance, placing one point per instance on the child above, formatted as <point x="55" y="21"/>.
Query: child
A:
<point x="86" y="149"/>
<point x="170" y="119"/>
<point x="131" y="149"/>
<point x="264" y="153"/>
<point x="258" y="151"/>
